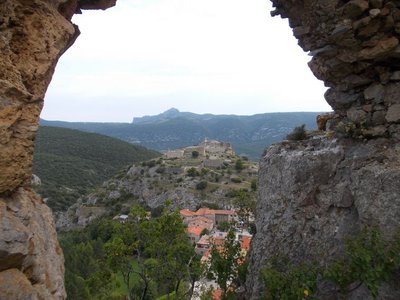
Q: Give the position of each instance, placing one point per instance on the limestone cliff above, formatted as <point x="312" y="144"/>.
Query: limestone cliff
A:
<point x="315" y="193"/>
<point x="33" y="35"/>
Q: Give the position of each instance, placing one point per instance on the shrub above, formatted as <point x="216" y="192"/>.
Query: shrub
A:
<point x="369" y="260"/>
<point x="239" y="165"/>
<point x="195" y="154"/>
<point x="160" y="170"/>
<point x="201" y="185"/>
<point x="254" y="185"/>
<point x="299" y="133"/>
<point x="192" y="172"/>
<point x="287" y="281"/>
<point x="236" y="179"/>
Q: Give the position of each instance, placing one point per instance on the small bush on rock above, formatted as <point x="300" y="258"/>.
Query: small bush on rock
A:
<point x="298" y="134"/>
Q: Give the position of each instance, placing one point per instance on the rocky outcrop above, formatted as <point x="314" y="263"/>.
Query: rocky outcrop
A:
<point x="33" y="35"/>
<point x="355" y="50"/>
<point x="31" y="260"/>
<point x="315" y="193"/>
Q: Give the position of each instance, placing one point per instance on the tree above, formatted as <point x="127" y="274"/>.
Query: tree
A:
<point x="224" y="262"/>
<point x="223" y="226"/>
<point x="239" y="165"/>
<point x="195" y="154"/>
<point x="246" y="205"/>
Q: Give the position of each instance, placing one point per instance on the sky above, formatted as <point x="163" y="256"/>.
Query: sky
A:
<point x="143" y="57"/>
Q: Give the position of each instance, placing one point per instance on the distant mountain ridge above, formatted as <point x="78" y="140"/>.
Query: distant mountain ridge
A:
<point x="249" y="135"/>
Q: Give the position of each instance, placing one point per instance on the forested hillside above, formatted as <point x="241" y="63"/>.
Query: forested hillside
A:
<point x="249" y="135"/>
<point x="70" y="162"/>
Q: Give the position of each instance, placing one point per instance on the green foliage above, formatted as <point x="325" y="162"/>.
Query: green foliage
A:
<point x="151" y="163"/>
<point x="204" y="232"/>
<point x="150" y="257"/>
<point x="195" y="154"/>
<point x="254" y="185"/>
<point x="224" y="226"/>
<point x="236" y="179"/>
<point x="202" y="185"/>
<point x="252" y="228"/>
<point x="225" y="262"/>
<point x="299" y="133"/>
<point x="287" y="281"/>
<point x="70" y="163"/>
<point x="239" y="166"/>
<point x="192" y="172"/>
<point x="87" y="276"/>
<point x="369" y="260"/>
<point x="246" y="204"/>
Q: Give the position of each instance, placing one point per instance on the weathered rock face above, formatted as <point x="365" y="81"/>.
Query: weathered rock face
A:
<point x="31" y="260"/>
<point x="315" y="193"/>
<point x="33" y="35"/>
<point x="356" y="52"/>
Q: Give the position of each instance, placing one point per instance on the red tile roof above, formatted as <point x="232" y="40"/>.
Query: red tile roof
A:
<point x="245" y="242"/>
<point x="204" y="240"/>
<point x="195" y="230"/>
<point x="206" y="211"/>
<point x="186" y="213"/>
<point x="217" y="294"/>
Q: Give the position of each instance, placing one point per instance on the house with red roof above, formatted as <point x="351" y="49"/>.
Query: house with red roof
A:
<point x="194" y="233"/>
<point x="203" y="245"/>
<point x="200" y="221"/>
<point x="215" y="215"/>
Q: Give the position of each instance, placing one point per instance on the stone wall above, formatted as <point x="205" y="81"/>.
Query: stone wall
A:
<point x="33" y="35"/>
<point x="355" y="50"/>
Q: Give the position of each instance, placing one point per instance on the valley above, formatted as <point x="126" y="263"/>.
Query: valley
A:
<point x="249" y="135"/>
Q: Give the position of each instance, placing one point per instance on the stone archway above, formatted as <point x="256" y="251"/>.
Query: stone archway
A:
<point x="355" y="49"/>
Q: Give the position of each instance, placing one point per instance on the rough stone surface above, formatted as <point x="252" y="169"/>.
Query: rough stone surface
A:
<point x="313" y="194"/>
<point x="31" y="260"/>
<point x="33" y="35"/>
<point x="354" y="47"/>
<point x="393" y="114"/>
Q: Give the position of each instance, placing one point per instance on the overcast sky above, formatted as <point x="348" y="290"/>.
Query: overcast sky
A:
<point x="143" y="57"/>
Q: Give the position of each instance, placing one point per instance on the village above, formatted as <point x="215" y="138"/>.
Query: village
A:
<point x="204" y="230"/>
<point x="218" y="213"/>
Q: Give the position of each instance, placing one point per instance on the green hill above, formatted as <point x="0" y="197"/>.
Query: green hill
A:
<point x="172" y="129"/>
<point x="70" y="162"/>
<point x="191" y="182"/>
